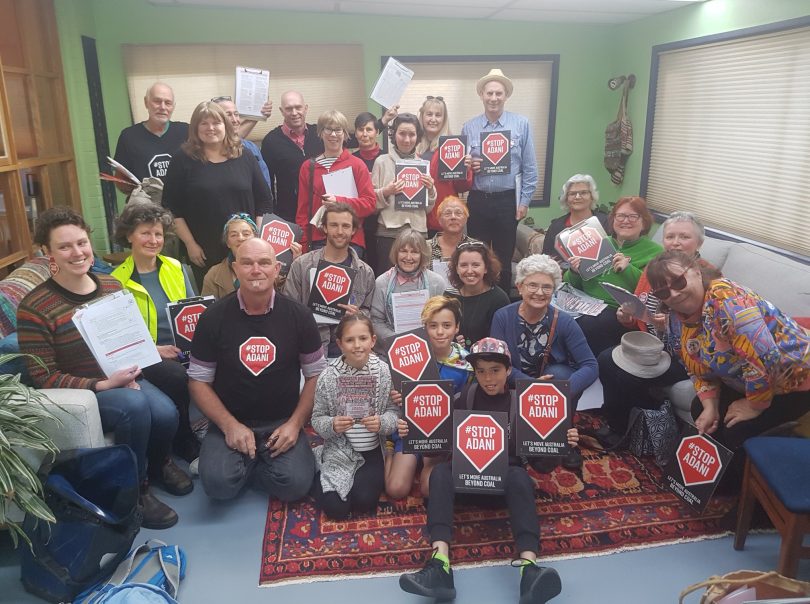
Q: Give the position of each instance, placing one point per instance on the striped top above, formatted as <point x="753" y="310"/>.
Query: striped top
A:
<point x="326" y="162"/>
<point x="45" y="329"/>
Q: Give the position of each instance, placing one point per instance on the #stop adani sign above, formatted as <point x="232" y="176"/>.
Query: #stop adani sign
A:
<point x="480" y="458"/>
<point x="426" y="408"/>
<point x="257" y="354"/>
<point x="588" y="241"/>
<point x="414" y="195"/>
<point x="543" y="418"/>
<point x="410" y="358"/>
<point x="280" y="234"/>
<point x="496" y="152"/>
<point x="183" y="318"/>
<point x="452" y="150"/>
<point x="699" y="464"/>
<point x="332" y="287"/>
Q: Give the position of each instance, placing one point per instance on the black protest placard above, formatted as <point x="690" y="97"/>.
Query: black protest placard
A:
<point x="496" y="152"/>
<point x="332" y="286"/>
<point x="410" y="357"/>
<point x="414" y="195"/>
<point x="588" y="241"/>
<point x="427" y="407"/>
<point x="699" y="464"/>
<point x="480" y="458"/>
<point x="280" y="234"/>
<point x="543" y="418"/>
<point x="355" y="396"/>
<point x="183" y="317"/>
<point x="452" y="150"/>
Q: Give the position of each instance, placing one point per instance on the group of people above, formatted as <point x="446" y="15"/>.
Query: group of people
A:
<point x="251" y="350"/>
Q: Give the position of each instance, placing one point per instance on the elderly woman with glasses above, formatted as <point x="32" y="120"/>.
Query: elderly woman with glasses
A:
<point x="453" y="215"/>
<point x="630" y="222"/>
<point x="580" y="197"/>
<point x="544" y="342"/>
<point x="748" y="361"/>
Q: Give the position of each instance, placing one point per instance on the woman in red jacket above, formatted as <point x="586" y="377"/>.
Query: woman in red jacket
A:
<point x="333" y="129"/>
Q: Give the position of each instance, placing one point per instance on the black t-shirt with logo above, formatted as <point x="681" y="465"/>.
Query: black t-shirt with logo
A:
<point x="145" y="154"/>
<point x="258" y="375"/>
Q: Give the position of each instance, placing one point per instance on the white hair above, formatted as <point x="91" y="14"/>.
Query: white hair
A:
<point x="679" y="216"/>
<point x="538" y="263"/>
<point x="577" y="178"/>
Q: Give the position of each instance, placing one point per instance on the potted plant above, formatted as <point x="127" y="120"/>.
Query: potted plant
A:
<point x="22" y="409"/>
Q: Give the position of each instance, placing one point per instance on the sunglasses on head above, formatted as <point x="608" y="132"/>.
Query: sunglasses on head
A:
<point x="677" y="284"/>
<point x="434" y="98"/>
<point x="219" y="99"/>
<point x="471" y="245"/>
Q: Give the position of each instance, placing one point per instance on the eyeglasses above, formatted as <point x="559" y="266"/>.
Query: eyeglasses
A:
<point x="329" y="131"/>
<point x="434" y="98"/>
<point x="677" y="284"/>
<point x="532" y="288"/>
<point x="627" y="217"/>
<point x="449" y="213"/>
<point x="219" y="99"/>
<point x="575" y="194"/>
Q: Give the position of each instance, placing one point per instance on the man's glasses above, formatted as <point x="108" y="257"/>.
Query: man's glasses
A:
<point x="677" y="284"/>
<point x="628" y="217"/>
<point x="532" y="288"/>
<point x="219" y="99"/>
<point x="575" y="194"/>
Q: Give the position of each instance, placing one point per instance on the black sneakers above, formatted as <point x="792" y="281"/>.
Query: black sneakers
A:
<point x="432" y="581"/>
<point x="538" y="584"/>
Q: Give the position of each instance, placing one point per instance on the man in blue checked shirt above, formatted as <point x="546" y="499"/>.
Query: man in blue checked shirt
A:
<point x="498" y="202"/>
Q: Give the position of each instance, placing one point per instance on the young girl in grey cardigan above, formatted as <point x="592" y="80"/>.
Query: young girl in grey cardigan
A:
<point x="352" y="422"/>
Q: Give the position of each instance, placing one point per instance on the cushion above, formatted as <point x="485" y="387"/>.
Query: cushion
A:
<point x="16" y="286"/>
<point x="785" y="465"/>
<point x="10" y="345"/>
<point x="803" y="321"/>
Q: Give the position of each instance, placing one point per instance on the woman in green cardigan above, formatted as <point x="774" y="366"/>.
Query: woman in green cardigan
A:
<point x="629" y="223"/>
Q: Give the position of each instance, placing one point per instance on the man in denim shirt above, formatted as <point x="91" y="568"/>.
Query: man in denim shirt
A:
<point x="498" y="202"/>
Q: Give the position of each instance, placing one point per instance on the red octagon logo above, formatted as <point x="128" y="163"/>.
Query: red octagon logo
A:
<point x="427" y="406"/>
<point x="409" y="356"/>
<point x="186" y="320"/>
<point x="333" y="283"/>
<point x="480" y="439"/>
<point x="699" y="460"/>
<point x="413" y="183"/>
<point x="451" y="152"/>
<point x="278" y="234"/>
<point x="585" y="243"/>
<point x="494" y="147"/>
<point x="257" y="354"/>
<point x="543" y="407"/>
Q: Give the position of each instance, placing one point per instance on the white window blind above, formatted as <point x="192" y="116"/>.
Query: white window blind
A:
<point x="731" y="137"/>
<point x="455" y="81"/>
<point x="328" y="76"/>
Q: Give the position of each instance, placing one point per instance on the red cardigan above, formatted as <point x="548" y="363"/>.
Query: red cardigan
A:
<point x="365" y="204"/>
<point x="444" y="188"/>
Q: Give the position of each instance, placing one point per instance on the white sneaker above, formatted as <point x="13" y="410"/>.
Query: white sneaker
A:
<point x="194" y="467"/>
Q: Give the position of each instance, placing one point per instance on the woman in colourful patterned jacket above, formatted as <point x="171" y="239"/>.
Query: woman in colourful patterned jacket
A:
<point x="749" y="362"/>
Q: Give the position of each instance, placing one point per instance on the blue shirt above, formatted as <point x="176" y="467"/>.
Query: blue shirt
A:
<point x="251" y="146"/>
<point x="524" y="161"/>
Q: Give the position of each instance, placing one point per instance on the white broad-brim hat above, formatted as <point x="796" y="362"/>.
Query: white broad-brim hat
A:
<point x="641" y="354"/>
<point x="495" y="75"/>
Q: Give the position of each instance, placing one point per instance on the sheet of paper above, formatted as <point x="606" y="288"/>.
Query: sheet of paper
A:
<point x="116" y="333"/>
<point x="576" y="302"/>
<point x="442" y="268"/>
<point x="392" y="83"/>
<point x="121" y="170"/>
<point x="252" y="91"/>
<point x="628" y="301"/>
<point x="407" y="309"/>
<point x="340" y="183"/>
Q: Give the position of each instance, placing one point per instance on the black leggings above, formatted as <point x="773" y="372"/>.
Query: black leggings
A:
<point x="369" y="482"/>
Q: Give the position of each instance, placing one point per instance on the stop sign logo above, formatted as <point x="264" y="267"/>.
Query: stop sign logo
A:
<point x="257" y="354"/>
<point x="698" y="460"/>
<point x="543" y="407"/>
<point x="186" y="320"/>
<point x="585" y="243"/>
<point x="480" y="439"/>
<point x="333" y="283"/>
<point x="412" y="179"/>
<point x="427" y="406"/>
<point x="494" y="147"/>
<point x="409" y="355"/>
<point x="278" y="234"/>
<point x="451" y="152"/>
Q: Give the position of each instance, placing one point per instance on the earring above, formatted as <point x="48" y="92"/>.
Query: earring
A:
<point x="52" y="266"/>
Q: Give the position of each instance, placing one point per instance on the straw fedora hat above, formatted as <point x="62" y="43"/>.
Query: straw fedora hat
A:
<point x="641" y="354"/>
<point x="495" y="75"/>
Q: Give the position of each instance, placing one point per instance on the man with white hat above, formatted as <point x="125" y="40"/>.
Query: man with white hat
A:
<point x="498" y="202"/>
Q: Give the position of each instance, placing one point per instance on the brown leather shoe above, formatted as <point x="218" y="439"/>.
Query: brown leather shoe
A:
<point x="173" y="480"/>
<point x="156" y="514"/>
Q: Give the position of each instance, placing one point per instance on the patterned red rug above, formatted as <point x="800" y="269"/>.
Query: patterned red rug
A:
<point x="619" y="502"/>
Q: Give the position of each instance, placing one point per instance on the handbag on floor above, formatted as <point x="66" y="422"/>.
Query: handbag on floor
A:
<point x="767" y="584"/>
<point x="93" y="493"/>
<point x="654" y="432"/>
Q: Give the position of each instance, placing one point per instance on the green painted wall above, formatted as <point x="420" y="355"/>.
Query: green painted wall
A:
<point x="589" y="56"/>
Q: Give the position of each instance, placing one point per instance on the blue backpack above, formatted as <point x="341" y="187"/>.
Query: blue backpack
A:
<point x="150" y="574"/>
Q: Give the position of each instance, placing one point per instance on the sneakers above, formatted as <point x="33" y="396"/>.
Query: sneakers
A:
<point x="539" y="584"/>
<point x="156" y="514"/>
<point x="573" y="459"/>
<point x="172" y="479"/>
<point x="432" y="581"/>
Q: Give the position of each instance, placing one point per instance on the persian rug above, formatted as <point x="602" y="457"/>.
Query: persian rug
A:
<point x="618" y="502"/>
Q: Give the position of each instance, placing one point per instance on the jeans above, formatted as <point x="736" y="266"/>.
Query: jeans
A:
<point x="224" y="471"/>
<point x="144" y="419"/>
<point x="171" y="378"/>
